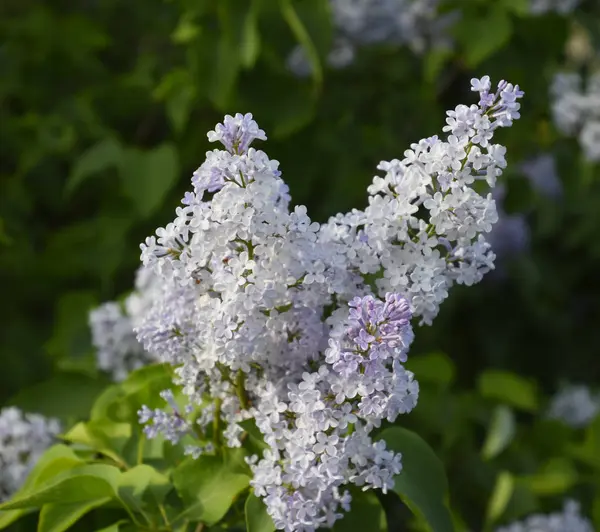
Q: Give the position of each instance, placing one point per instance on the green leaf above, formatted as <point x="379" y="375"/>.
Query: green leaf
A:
<point x="366" y="513"/>
<point x="59" y="517"/>
<point x="114" y="527"/>
<point x="101" y="156"/>
<point x="143" y="486"/>
<point x="257" y="518"/>
<point x="589" y="450"/>
<point x="303" y="37"/>
<point x="510" y="389"/>
<point x="82" y="483"/>
<point x="503" y="490"/>
<point x="71" y="334"/>
<point x="422" y="483"/>
<point x="147" y="176"/>
<point x="437" y="368"/>
<point x="102" y="435"/>
<point x="483" y="35"/>
<point x="208" y="487"/>
<point x="54" y="461"/>
<point x="500" y="433"/>
<point x="66" y="396"/>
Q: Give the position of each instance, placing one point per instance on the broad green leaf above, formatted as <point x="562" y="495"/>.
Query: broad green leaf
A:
<point x="510" y="389"/>
<point x="59" y="517"/>
<point x="437" y="368"/>
<point x="483" y="35"/>
<point x="54" y="461"/>
<point x="122" y="401"/>
<point x="503" y="490"/>
<point x="101" y="156"/>
<point x="71" y="335"/>
<point x="82" y="483"/>
<point x="257" y="518"/>
<point x="143" y="486"/>
<point x="114" y="527"/>
<point x="104" y="436"/>
<point x="66" y="396"/>
<point x="208" y="487"/>
<point x="422" y="482"/>
<point x="500" y="432"/>
<point x="366" y="513"/>
<point x="147" y="176"/>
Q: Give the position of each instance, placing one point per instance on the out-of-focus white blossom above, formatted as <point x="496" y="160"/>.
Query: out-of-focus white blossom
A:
<point x="414" y="23"/>
<point x="23" y="439"/>
<point x="576" y="110"/>
<point x="540" y="7"/>
<point x="112" y="325"/>
<point x="569" y="520"/>
<point x="575" y="405"/>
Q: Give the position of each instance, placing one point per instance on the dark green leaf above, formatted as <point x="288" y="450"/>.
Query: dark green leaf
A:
<point x="208" y="487"/>
<point x="509" y="388"/>
<point x="437" y="368"/>
<point x="105" y="154"/>
<point x="257" y="518"/>
<point x="366" y="513"/>
<point x="82" y="483"/>
<point x="147" y="176"/>
<point x="60" y="517"/>
<point x="422" y="482"/>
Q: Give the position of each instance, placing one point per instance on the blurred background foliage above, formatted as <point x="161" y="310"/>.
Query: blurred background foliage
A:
<point x="104" y="108"/>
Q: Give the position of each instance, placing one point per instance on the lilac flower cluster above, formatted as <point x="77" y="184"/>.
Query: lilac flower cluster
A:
<point x="23" y="439"/>
<point x="112" y="325"/>
<point x="569" y="520"/>
<point x="414" y="23"/>
<point x="575" y="404"/>
<point x="576" y="110"/>
<point x="303" y="328"/>
<point x="563" y="7"/>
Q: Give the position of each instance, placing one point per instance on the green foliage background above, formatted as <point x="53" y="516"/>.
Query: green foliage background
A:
<point x="105" y="105"/>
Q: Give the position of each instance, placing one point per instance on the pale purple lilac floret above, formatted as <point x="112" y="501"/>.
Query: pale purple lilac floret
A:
<point x="304" y="328"/>
<point x="23" y="439"/>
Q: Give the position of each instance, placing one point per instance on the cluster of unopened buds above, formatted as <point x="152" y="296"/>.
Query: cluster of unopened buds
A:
<point x="302" y="328"/>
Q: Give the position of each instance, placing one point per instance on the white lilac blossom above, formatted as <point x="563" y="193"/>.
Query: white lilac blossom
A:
<point x="304" y="328"/>
<point x="575" y="405"/>
<point x="424" y="227"/>
<point x="562" y="7"/>
<point x="414" y="23"/>
<point x="569" y="520"/>
<point x="23" y="439"/>
<point x="112" y="325"/>
<point x="576" y="110"/>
